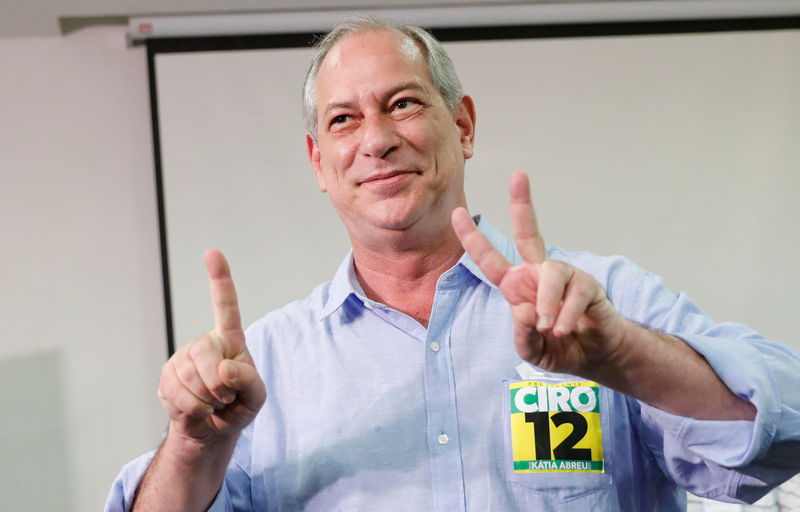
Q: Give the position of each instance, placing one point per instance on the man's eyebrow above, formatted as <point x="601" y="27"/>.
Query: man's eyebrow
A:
<point x="413" y="85"/>
<point x="337" y="104"/>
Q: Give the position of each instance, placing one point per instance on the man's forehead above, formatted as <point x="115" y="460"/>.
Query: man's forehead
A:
<point x="353" y="46"/>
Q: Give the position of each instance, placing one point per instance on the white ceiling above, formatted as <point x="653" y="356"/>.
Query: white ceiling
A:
<point x="21" y="18"/>
<point x="42" y="17"/>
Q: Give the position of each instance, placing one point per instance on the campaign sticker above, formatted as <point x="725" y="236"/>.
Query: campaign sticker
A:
<point x="555" y="428"/>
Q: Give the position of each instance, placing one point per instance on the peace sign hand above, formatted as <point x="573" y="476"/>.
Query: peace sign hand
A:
<point x="563" y="321"/>
<point x="210" y="387"/>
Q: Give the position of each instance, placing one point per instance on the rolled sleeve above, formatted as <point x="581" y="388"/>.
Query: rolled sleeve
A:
<point x="233" y="494"/>
<point x="751" y="457"/>
<point x="751" y="370"/>
<point x="120" y="497"/>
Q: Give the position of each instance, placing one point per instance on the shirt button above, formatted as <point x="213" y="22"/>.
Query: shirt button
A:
<point x="443" y="439"/>
<point x="435" y="346"/>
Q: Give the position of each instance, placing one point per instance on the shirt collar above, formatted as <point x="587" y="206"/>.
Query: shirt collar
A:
<point x="345" y="283"/>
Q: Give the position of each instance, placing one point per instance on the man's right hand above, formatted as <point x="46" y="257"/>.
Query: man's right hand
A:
<point x="211" y="391"/>
<point x="210" y="388"/>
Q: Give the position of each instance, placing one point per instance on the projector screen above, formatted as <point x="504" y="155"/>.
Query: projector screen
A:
<point x="678" y="151"/>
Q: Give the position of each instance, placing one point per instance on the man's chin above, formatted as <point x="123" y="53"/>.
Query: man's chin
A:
<point x="394" y="216"/>
<point x="394" y="225"/>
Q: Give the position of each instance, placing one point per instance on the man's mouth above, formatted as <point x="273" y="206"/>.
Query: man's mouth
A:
<point x="386" y="179"/>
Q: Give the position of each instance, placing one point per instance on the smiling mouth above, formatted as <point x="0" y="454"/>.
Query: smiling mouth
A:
<point x="387" y="179"/>
<point x="384" y="176"/>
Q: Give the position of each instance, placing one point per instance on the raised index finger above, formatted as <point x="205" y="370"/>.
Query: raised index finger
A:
<point x="523" y="220"/>
<point x="227" y="321"/>
<point x="490" y="260"/>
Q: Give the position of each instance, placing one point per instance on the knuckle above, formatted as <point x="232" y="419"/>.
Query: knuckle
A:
<point x="585" y="277"/>
<point x="177" y="400"/>
<point x="559" y="269"/>
<point x="165" y="397"/>
<point x="167" y="379"/>
<point x="186" y="373"/>
<point x="208" y="350"/>
<point x="200" y="346"/>
<point x="584" y="293"/>
<point x="188" y="404"/>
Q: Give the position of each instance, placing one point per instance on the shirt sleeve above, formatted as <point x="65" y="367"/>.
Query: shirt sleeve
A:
<point x="233" y="496"/>
<point x="724" y="460"/>
<point x="120" y="497"/>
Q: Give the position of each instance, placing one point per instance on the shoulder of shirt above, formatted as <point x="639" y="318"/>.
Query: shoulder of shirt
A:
<point x="296" y="312"/>
<point x="593" y="263"/>
<point x="291" y="317"/>
<point x="619" y="276"/>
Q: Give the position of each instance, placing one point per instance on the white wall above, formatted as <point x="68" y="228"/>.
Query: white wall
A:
<point x="677" y="151"/>
<point x="80" y="279"/>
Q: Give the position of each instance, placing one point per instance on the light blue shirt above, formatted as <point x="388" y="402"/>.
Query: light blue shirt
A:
<point x="369" y="410"/>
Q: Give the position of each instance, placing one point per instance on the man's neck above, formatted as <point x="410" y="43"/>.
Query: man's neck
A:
<point x="405" y="280"/>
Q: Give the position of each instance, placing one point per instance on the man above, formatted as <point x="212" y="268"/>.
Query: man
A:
<point x="399" y="385"/>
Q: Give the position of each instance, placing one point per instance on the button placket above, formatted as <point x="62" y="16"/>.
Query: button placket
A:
<point x="445" y="452"/>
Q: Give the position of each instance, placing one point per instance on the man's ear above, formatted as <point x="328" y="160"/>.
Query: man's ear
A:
<point x="465" y="120"/>
<point x="314" y="156"/>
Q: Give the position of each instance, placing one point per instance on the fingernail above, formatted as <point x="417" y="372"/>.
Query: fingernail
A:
<point x="228" y="397"/>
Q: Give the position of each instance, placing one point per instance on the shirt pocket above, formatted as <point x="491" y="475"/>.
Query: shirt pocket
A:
<point x="561" y="485"/>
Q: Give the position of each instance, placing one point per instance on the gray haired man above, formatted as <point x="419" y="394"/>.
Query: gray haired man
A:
<point x="445" y="367"/>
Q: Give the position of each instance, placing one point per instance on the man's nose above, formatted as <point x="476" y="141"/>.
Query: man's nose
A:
<point x="379" y="136"/>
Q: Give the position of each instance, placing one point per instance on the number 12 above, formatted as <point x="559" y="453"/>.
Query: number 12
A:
<point x="566" y="449"/>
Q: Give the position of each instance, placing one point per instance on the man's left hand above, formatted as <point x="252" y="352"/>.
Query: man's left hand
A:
<point x="563" y="321"/>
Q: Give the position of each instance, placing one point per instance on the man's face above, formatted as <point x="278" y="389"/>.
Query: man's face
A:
<point x="389" y="152"/>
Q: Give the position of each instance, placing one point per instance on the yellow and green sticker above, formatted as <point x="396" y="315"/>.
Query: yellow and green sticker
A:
<point x="555" y="428"/>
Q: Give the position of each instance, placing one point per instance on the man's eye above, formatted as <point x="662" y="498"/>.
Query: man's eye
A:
<point x="406" y="107"/>
<point x="339" y="119"/>
<point x="404" y="103"/>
